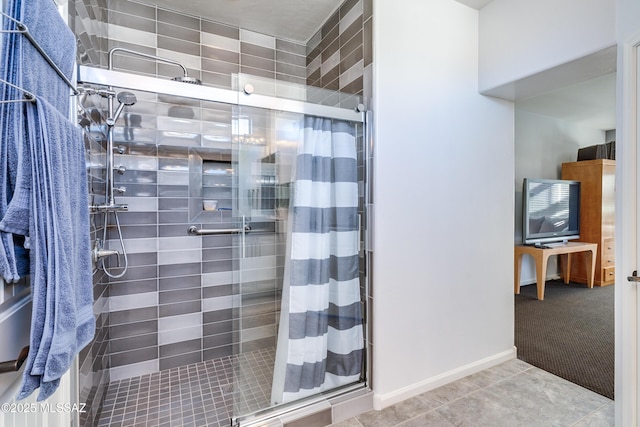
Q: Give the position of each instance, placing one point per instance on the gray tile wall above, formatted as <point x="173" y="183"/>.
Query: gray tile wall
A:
<point x="211" y="51"/>
<point x="337" y="59"/>
<point x="340" y="53"/>
<point x="179" y="302"/>
<point x="88" y="21"/>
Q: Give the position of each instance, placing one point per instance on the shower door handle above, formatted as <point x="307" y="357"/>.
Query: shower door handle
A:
<point x="195" y="231"/>
<point x="244" y="234"/>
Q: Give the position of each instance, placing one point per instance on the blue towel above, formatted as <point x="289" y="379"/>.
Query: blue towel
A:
<point x="10" y="123"/>
<point x="44" y="196"/>
<point x="23" y="66"/>
<point x="58" y="41"/>
<point x="13" y="259"/>
<point x="58" y="222"/>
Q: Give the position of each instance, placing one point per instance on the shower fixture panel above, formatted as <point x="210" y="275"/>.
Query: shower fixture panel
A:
<point x="99" y="253"/>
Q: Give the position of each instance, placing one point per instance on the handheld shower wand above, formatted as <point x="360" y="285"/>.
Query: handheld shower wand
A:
<point x="125" y="99"/>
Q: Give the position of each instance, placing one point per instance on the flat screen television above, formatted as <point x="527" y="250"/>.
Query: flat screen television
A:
<point x="550" y="211"/>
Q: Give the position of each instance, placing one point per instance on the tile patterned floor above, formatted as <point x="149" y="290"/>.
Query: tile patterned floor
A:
<point x="511" y="394"/>
<point x="201" y="394"/>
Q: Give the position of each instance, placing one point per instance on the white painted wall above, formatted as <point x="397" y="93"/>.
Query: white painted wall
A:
<point x="626" y="298"/>
<point x="542" y="144"/>
<point x="627" y="24"/>
<point x="444" y="208"/>
<point x="519" y="38"/>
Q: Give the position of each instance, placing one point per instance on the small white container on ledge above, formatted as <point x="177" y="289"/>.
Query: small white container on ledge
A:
<point x="210" y="205"/>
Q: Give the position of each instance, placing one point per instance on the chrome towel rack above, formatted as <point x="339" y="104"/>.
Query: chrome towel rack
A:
<point x="21" y="28"/>
<point x="195" y="231"/>
<point x="14" y="365"/>
<point x="28" y="96"/>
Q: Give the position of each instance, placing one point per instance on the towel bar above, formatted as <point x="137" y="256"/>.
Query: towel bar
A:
<point x="195" y="231"/>
<point x="14" y="365"/>
<point x="28" y="96"/>
<point x="21" y="28"/>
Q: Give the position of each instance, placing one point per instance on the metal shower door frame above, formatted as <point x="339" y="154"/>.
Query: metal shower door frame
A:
<point x="124" y="80"/>
<point x="99" y="76"/>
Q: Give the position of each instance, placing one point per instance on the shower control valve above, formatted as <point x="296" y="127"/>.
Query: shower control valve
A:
<point x="98" y="252"/>
<point x="106" y="93"/>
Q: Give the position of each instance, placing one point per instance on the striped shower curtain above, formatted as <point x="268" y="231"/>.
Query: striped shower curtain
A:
<point x="320" y="339"/>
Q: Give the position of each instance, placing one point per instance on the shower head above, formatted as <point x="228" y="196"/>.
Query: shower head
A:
<point x="125" y="99"/>
<point x="187" y="79"/>
<point x="182" y="79"/>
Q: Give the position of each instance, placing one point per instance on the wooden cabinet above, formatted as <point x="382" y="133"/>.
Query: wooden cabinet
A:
<point x="597" y="216"/>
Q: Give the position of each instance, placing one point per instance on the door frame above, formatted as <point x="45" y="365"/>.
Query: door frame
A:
<point x="626" y="294"/>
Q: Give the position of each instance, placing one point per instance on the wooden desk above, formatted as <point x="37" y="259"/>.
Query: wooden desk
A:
<point x="541" y="256"/>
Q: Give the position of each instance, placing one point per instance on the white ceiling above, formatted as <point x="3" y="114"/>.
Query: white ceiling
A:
<point x="591" y="103"/>
<point x="475" y="4"/>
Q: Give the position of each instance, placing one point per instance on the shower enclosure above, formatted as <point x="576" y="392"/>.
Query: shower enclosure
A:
<point x="208" y="178"/>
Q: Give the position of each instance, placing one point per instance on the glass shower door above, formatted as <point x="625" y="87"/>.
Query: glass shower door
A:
<point x="324" y="237"/>
<point x="264" y="150"/>
<point x="203" y="291"/>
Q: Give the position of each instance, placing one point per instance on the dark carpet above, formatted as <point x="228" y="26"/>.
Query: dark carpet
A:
<point x="570" y="333"/>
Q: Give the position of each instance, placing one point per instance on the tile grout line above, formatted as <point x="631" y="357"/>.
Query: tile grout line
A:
<point x="595" y="411"/>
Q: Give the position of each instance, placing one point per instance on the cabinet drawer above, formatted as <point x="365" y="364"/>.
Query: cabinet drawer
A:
<point x="608" y="274"/>
<point x="608" y="247"/>
<point x="607" y="260"/>
<point x="608" y="254"/>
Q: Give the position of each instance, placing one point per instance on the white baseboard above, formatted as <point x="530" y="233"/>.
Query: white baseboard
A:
<point x="381" y="401"/>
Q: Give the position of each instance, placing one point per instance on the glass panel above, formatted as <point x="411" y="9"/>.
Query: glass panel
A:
<point x="263" y="160"/>
<point x="281" y="89"/>
<point x="266" y="145"/>
<point x="214" y="166"/>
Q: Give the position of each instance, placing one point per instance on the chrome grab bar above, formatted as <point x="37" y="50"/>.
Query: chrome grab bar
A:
<point x="195" y="231"/>
<point x="14" y="365"/>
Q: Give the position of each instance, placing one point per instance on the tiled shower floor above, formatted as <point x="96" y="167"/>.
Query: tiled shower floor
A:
<point x="201" y="394"/>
